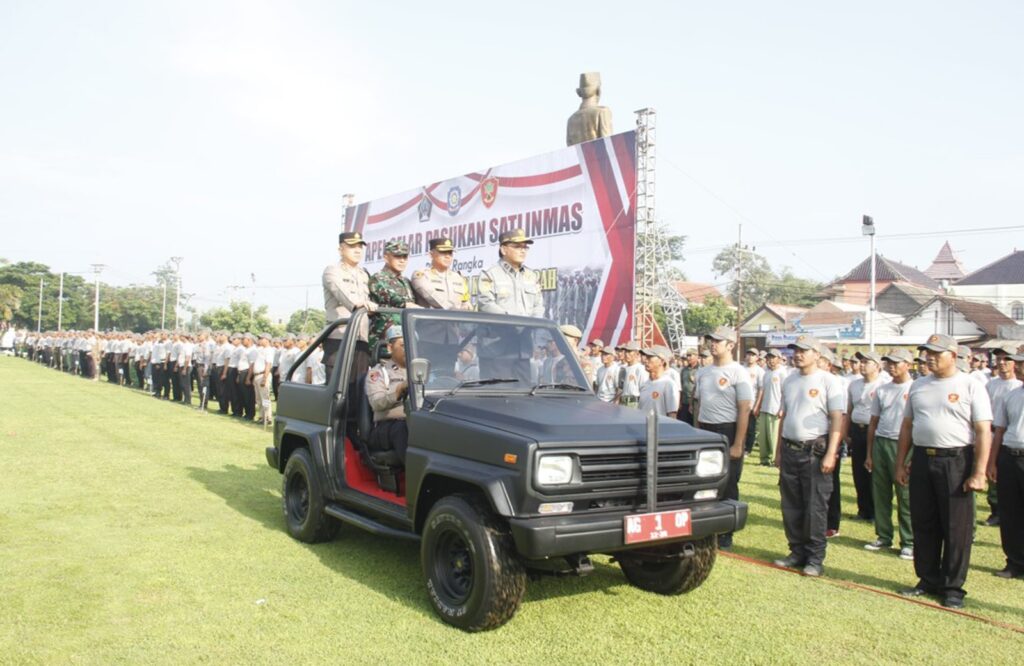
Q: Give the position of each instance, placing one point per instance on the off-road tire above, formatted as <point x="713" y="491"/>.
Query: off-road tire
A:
<point x="474" y="579"/>
<point x="303" y="501"/>
<point x="672" y="576"/>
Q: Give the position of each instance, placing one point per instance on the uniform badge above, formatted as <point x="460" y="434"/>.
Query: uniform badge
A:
<point x="813" y="393"/>
<point x="374" y="376"/>
<point x="489" y="191"/>
<point x="655" y="395"/>
<point x="722" y="381"/>
<point x="425" y="209"/>
<point x="954" y="397"/>
<point x="454" y="200"/>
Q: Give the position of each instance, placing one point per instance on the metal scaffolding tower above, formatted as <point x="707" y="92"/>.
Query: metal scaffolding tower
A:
<point x="653" y="284"/>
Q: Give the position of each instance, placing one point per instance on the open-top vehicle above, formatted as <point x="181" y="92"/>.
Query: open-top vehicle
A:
<point x="504" y="475"/>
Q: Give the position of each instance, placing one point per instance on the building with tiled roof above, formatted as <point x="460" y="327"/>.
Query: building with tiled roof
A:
<point x="964" y="319"/>
<point x="946" y="266"/>
<point x="1000" y="284"/>
<point x="696" y="292"/>
<point x="903" y="298"/>
<point x="855" y="286"/>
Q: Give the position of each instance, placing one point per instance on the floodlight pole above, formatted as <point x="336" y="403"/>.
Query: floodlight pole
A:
<point x="867" y="228"/>
<point x="39" y="320"/>
<point x="60" y="303"/>
<point x="177" y="288"/>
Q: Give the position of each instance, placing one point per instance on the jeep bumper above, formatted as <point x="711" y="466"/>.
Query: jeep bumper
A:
<point x="272" y="457"/>
<point x="555" y="536"/>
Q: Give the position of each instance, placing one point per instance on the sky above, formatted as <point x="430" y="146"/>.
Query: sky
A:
<point x="226" y="133"/>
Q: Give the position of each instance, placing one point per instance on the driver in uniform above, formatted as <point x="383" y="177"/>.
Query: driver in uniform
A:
<point x="386" y="387"/>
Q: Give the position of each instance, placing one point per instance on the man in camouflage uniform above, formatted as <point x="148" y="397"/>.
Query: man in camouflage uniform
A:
<point x="390" y="289"/>
<point x="509" y="287"/>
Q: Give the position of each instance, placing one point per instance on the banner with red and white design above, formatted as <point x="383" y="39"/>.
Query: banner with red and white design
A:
<point x="577" y="204"/>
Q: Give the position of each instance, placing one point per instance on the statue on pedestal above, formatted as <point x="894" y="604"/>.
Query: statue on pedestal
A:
<point x="591" y="121"/>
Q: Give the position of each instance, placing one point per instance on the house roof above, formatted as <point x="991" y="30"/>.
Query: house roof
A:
<point x="919" y="295"/>
<point x="985" y="316"/>
<point x="829" y="312"/>
<point x="696" y="292"/>
<point x="786" y="314"/>
<point x="1008" y="270"/>
<point x="888" y="270"/>
<point x="946" y="266"/>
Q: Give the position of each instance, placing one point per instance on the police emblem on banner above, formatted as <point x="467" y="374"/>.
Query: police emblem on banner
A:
<point x="489" y="191"/>
<point x="454" y="200"/>
<point x="425" y="208"/>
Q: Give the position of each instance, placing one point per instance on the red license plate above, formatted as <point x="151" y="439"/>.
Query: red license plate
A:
<point x="657" y="526"/>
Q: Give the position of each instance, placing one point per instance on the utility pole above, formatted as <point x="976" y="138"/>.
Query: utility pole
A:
<point x="60" y="303"/>
<point x="253" y="301"/>
<point x="739" y="293"/>
<point x="39" y="320"/>
<point x="177" y="288"/>
<point x="97" y="269"/>
<point x="163" y="308"/>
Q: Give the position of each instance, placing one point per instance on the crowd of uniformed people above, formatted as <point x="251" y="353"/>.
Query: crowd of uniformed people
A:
<point x="923" y="433"/>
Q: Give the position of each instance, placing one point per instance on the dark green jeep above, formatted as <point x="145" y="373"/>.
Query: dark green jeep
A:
<point x="504" y="475"/>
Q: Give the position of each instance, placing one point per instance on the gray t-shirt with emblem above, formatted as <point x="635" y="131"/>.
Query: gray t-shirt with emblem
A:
<point x="889" y="405"/>
<point x="944" y="410"/>
<point x="1009" y="414"/>
<point x="719" y="388"/>
<point x="661" y="394"/>
<point x="807" y="401"/>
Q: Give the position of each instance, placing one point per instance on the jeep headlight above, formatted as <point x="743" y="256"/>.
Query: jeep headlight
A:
<point x="710" y="462"/>
<point x="554" y="470"/>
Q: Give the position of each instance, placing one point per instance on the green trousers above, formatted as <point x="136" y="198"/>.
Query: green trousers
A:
<point x="766" y="435"/>
<point x="883" y="482"/>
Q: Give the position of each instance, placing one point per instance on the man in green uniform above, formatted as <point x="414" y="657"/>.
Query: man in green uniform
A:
<point x="390" y="289"/>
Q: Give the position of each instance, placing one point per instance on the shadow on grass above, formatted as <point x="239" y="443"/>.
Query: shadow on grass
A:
<point x="389" y="566"/>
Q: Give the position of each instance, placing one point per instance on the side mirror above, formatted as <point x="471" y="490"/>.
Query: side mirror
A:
<point x="420" y="369"/>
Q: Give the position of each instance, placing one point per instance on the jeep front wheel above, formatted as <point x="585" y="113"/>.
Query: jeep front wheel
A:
<point x="304" y="501"/>
<point x="674" y="575"/>
<point x="474" y="579"/>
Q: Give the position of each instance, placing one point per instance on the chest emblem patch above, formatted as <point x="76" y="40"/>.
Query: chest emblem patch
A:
<point x="722" y="381"/>
<point x="813" y="393"/>
<point x="954" y="397"/>
<point x="655" y="395"/>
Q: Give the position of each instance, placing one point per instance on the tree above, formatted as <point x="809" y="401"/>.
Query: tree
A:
<point x="10" y="301"/>
<point x="306" y="322"/>
<point x="760" y="284"/>
<point x="702" y="319"/>
<point x="239" y="316"/>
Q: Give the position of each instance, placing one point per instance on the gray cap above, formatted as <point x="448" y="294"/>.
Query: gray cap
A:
<point x="1018" y="356"/>
<point x="869" y="356"/>
<point x="264" y="336"/>
<point x="774" y="352"/>
<point x="661" y="351"/>
<point x="898" y="355"/>
<point x="962" y="364"/>
<point x="632" y="345"/>
<point x="805" y="341"/>
<point x="963" y="351"/>
<point x="248" y="336"/>
<point x="393" y="332"/>
<point x="940" y="343"/>
<point x="723" y="333"/>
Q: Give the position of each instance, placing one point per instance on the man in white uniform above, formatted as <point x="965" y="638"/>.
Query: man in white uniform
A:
<point x="1006" y="466"/>
<point x="659" y="393"/>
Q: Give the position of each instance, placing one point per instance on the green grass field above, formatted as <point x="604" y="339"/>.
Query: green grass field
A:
<point x="137" y="531"/>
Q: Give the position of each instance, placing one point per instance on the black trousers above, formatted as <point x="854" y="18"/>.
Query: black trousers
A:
<point x="861" y="476"/>
<point x="247" y="396"/>
<point x="835" y="499"/>
<point x="140" y="374"/>
<point x="275" y="381"/>
<point x="685" y="413"/>
<point x="234" y="396"/>
<point x="732" y="484"/>
<point x="390" y="435"/>
<point x="804" y="490"/>
<point x="184" y="377"/>
<point x="942" y="516"/>
<point x="1010" y="471"/>
<point x="110" y="363"/>
<point x="172" y="372"/>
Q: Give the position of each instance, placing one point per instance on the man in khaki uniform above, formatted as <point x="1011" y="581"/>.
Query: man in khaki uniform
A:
<point x="509" y="287"/>
<point x="386" y="387"/>
<point x="347" y="287"/>
<point x="439" y="286"/>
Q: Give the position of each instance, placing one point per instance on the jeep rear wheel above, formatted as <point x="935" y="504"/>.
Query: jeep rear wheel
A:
<point x="674" y="575"/>
<point x="474" y="579"/>
<point x="303" y="501"/>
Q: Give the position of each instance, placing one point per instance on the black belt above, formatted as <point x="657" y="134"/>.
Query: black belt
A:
<point x="943" y="453"/>
<point x="862" y="426"/>
<point x="1016" y="453"/>
<point x="801" y="446"/>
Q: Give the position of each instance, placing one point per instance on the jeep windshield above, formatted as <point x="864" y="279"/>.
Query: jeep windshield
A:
<point x="483" y="353"/>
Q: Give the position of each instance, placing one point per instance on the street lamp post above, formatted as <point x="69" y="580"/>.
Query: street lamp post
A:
<point x="867" y="228"/>
<point x="96" y="268"/>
